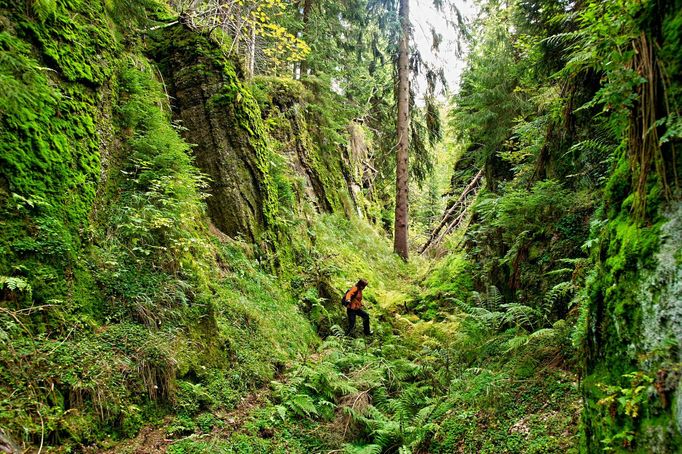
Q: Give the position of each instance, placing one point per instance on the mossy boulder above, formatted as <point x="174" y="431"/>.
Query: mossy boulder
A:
<point x="219" y="115"/>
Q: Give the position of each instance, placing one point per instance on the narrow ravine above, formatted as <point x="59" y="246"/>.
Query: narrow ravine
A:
<point x="189" y="187"/>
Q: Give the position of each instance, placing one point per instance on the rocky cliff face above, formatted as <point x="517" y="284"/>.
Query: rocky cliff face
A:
<point x="239" y="140"/>
<point x="118" y="299"/>
<point x="314" y="145"/>
<point x="633" y="339"/>
<point x="219" y="116"/>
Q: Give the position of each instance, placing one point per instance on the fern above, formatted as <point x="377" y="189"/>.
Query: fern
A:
<point x="494" y="297"/>
<point x="559" y="291"/>
<point x="515" y="343"/>
<point x="45" y="8"/>
<point x="591" y="145"/>
<point x="389" y="433"/>
<point x="559" y="272"/>
<point x="563" y="39"/>
<point x="519" y="315"/>
<point x="16" y="284"/>
<point x="366" y="449"/>
<point x="542" y="334"/>
<point x="520" y="241"/>
<point x="302" y="404"/>
<point x="337" y="333"/>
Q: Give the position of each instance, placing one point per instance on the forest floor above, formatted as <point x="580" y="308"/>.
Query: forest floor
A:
<point x="398" y="389"/>
<point x="436" y="377"/>
<point x="154" y="439"/>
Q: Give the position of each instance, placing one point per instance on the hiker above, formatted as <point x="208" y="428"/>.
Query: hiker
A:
<point x="352" y="300"/>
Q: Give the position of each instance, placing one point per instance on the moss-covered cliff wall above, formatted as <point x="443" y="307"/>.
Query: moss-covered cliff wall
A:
<point x="126" y="290"/>
<point x="247" y="146"/>
<point x="631" y="315"/>
<point x="297" y="118"/>
<point x="221" y="118"/>
<point x="631" y="323"/>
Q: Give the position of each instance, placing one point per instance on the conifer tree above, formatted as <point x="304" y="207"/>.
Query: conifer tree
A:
<point x="400" y="244"/>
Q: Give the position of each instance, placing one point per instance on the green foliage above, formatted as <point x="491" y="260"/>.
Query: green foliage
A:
<point x="119" y="307"/>
<point x="159" y="197"/>
<point x="448" y="285"/>
<point x="484" y="111"/>
<point x="48" y="161"/>
<point x="120" y="303"/>
<point x="15" y="285"/>
<point x="413" y="392"/>
<point x="526" y="239"/>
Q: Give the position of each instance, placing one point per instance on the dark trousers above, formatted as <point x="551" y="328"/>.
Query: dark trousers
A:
<point x="351" y="320"/>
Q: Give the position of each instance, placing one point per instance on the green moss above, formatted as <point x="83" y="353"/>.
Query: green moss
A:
<point x="77" y="40"/>
<point x="448" y="285"/>
<point x="132" y="291"/>
<point x="619" y="186"/>
<point x="49" y="156"/>
<point x="235" y="96"/>
<point x="279" y="92"/>
<point x="619" y="293"/>
<point x="291" y="109"/>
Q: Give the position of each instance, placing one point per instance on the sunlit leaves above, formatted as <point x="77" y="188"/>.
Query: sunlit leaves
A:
<point x="253" y="28"/>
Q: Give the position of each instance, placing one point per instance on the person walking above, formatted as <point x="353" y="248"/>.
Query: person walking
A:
<point x="352" y="300"/>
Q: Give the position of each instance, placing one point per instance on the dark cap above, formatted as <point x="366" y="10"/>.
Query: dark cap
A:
<point x="362" y="283"/>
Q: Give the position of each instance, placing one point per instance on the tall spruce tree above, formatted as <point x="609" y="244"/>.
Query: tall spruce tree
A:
<point x="401" y="226"/>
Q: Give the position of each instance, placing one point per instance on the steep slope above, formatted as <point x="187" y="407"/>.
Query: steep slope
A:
<point x="122" y="298"/>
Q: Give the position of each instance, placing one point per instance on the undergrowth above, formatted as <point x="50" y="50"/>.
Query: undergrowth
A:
<point x="475" y="381"/>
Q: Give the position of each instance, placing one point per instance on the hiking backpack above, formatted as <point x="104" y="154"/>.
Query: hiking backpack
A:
<point x="343" y="298"/>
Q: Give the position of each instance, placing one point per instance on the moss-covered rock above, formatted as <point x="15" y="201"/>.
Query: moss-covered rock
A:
<point x="296" y="129"/>
<point x="221" y="117"/>
<point x="115" y="293"/>
<point x="633" y="340"/>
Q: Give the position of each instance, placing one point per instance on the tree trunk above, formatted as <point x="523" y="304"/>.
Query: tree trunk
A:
<point x="401" y="171"/>
<point x="252" y="52"/>
<point x="307" y="8"/>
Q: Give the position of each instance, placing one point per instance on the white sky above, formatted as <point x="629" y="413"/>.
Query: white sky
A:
<point x="424" y="16"/>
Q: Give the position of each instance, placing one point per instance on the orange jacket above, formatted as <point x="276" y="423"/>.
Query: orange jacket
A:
<point x="354" y="295"/>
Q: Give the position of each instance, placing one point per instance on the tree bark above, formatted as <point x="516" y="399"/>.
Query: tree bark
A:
<point x="252" y="52"/>
<point x="400" y="245"/>
<point x="307" y="8"/>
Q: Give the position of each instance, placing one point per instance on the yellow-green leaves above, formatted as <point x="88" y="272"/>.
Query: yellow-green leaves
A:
<point x="253" y="29"/>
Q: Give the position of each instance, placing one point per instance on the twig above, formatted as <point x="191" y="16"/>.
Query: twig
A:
<point x="29" y="310"/>
<point x="157" y="27"/>
<point x="42" y="432"/>
<point x="62" y="342"/>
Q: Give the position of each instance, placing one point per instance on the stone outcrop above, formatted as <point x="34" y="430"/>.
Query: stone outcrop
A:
<point x="220" y="117"/>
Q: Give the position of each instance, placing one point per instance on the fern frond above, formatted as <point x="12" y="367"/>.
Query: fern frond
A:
<point x="560" y="291"/>
<point x="302" y="404"/>
<point x="563" y="39"/>
<point x="590" y="145"/>
<point x="559" y="272"/>
<point x="519" y="315"/>
<point x="494" y="296"/>
<point x="365" y="449"/>
<point x="545" y="333"/>
<point x="515" y="343"/>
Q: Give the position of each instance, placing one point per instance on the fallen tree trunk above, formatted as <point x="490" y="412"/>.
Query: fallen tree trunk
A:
<point x="447" y="219"/>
